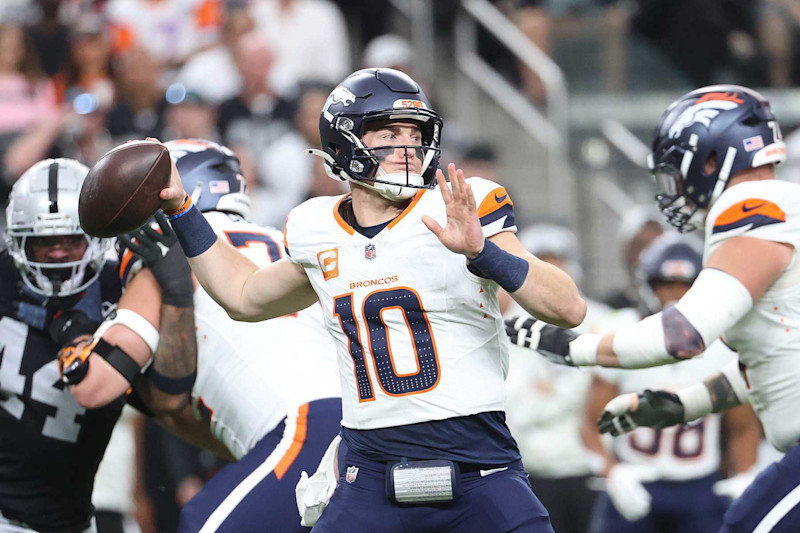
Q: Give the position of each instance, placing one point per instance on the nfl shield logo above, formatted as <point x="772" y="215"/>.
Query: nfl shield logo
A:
<point x="352" y="472"/>
<point x="369" y="252"/>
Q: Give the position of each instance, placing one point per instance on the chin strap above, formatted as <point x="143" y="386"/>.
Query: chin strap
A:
<point x="384" y="189"/>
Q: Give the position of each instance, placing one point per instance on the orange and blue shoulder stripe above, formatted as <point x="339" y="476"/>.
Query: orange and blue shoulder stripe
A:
<point x="496" y="205"/>
<point x="755" y="212"/>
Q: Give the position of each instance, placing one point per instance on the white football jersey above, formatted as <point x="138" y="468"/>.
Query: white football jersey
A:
<point x="419" y="337"/>
<point x="250" y="375"/>
<point x="678" y="453"/>
<point x="767" y="338"/>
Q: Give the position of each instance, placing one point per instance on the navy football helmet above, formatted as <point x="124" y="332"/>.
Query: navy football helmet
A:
<point x="704" y="138"/>
<point x="368" y="96"/>
<point x="670" y="258"/>
<point x="211" y="175"/>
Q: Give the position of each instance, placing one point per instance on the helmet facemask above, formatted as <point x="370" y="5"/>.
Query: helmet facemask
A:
<point x="56" y="279"/>
<point x="366" y="169"/>
<point x="44" y="203"/>
<point x="371" y="164"/>
<point x="680" y="211"/>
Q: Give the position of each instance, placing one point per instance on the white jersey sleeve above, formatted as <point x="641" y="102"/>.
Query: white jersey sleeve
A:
<point x="495" y="208"/>
<point x="767" y="338"/>
<point x="768" y="210"/>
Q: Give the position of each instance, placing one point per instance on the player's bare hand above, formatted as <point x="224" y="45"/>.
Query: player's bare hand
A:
<point x="462" y="234"/>
<point x="172" y="195"/>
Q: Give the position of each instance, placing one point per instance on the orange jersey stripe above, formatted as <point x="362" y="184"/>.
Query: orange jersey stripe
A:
<point x="297" y="444"/>
<point x="749" y="208"/>
<point x="407" y="210"/>
<point x="344" y="225"/>
<point x="127" y="256"/>
<point x="494" y="201"/>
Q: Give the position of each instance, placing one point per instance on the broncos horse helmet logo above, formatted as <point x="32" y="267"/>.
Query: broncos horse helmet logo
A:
<point x="704" y="111"/>
<point x="340" y="95"/>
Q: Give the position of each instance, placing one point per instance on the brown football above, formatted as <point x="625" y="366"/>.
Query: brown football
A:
<point x="120" y="192"/>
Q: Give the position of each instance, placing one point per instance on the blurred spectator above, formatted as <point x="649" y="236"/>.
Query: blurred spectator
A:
<point x="50" y="37"/>
<point x="390" y="51"/>
<point x="189" y="116"/>
<point x="27" y="98"/>
<point x="213" y="72"/>
<point x="78" y="131"/>
<point x="286" y="176"/>
<point x="88" y="66"/>
<point x="18" y="12"/>
<point x="26" y="95"/>
<point x="779" y="36"/>
<point x="638" y="228"/>
<point x="479" y="159"/>
<point x="545" y="401"/>
<point x="170" y="30"/>
<point x="309" y="39"/>
<point x="545" y="22"/>
<point x="252" y="120"/>
<point x="139" y="109"/>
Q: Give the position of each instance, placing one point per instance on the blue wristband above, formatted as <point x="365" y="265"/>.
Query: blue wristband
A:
<point x="508" y="270"/>
<point x="193" y="230"/>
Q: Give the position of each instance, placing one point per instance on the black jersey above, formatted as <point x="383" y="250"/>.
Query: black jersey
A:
<point x="50" y="446"/>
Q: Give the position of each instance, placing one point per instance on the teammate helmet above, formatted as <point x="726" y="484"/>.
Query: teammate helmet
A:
<point x="370" y="95"/>
<point x="704" y="138"/>
<point x="44" y="203"/>
<point x="670" y="258"/>
<point x="212" y="176"/>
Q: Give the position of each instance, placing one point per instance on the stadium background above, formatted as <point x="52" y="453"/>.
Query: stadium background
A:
<point x="556" y="99"/>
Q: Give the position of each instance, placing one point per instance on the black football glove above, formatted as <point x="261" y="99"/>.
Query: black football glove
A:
<point x="550" y="341"/>
<point x="164" y="257"/>
<point x="656" y="409"/>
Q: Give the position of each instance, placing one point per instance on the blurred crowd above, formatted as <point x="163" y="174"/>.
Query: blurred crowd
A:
<point x="78" y="77"/>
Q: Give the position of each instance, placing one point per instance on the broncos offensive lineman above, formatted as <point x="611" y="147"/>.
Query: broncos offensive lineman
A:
<point x="668" y="477"/>
<point x="267" y="392"/>
<point x="412" y="308"/>
<point x="713" y="159"/>
<point x="55" y="287"/>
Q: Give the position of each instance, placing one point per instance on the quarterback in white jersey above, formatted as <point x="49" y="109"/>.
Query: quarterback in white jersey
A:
<point x="713" y="160"/>
<point x="407" y="276"/>
<point x="436" y="341"/>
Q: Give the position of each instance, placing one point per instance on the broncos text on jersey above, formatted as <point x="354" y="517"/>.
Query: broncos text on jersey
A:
<point x="419" y="337"/>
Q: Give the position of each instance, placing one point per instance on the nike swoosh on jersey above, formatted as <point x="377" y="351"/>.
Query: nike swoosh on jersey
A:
<point x="746" y="208"/>
<point x="753" y="212"/>
<point x="491" y="471"/>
